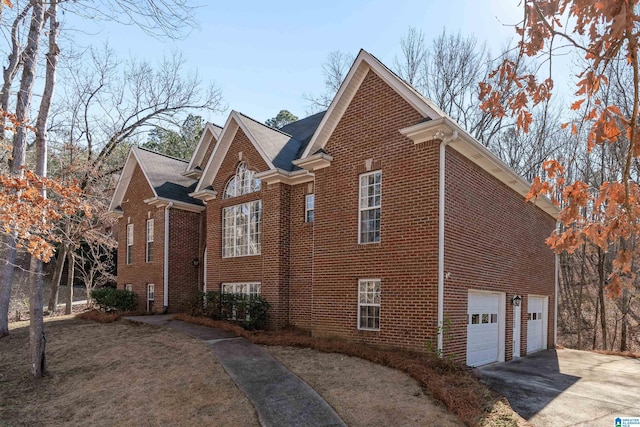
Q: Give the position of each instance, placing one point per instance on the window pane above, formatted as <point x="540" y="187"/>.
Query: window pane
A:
<point x="475" y="319"/>
<point x="485" y="318"/>
<point x="494" y="318"/>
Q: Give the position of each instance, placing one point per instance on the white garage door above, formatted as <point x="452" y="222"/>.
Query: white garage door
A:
<point x="535" y="323"/>
<point x="483" y="328"/>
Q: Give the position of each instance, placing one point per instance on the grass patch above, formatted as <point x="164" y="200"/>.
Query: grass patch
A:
<point x="117" y="374"/>
<point x="453" y="385"/>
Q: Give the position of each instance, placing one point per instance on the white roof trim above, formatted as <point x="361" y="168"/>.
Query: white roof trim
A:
<point x="362" y="64"/>
<point x="274" y="176"/>
<point x="210" y="132"/>
<point x="469" y="147"/>
<point x="125" y="179"/>
<point x="234" y="122"/>
<point x="161" y="202"/>
<point x="314" y="162"/>
<point x="204" y="195"/>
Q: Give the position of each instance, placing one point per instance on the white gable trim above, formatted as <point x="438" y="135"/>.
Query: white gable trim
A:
<point x="234" y="122"/>
<point x="363" y="63"/>
<point x="210" y="134"/>
<point x="163" y="202"/>
<point x="125" y="179"/>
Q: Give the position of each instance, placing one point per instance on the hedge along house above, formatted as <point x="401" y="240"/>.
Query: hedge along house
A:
<point x="380" y="221"/>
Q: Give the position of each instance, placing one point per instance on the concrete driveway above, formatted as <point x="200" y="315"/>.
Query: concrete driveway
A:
<point x="568" y="387"/>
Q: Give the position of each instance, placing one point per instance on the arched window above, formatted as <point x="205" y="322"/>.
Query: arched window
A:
<point x="243" y="182"/>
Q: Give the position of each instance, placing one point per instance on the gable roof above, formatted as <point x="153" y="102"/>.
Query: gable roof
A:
<point x="163" y="174"/>
<point x="435" y="125"/>
<point x="210" y="134"/>
<point x="361" y="66"/>
<point x="278" y="148"/>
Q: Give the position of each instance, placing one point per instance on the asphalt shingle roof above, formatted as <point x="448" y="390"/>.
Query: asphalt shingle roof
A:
<point x="165" y="174"/>
<point x="286" y="144"/>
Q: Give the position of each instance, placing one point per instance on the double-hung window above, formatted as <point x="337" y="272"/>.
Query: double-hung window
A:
<point x="149" y="256"/>
<point x="241" y="229"/>
<point x="129" y="243"/>
<point x="370" y="207"/>
<point x="369" y="304"/>
<point x="309" y="201"/>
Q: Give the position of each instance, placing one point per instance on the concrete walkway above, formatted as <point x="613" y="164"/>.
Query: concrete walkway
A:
<point x="281" y="398"/>
<point x="568" y="387"/>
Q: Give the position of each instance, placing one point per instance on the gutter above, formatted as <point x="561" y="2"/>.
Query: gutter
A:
<point x="441" y="183"/>
<point x="166" y="257"/>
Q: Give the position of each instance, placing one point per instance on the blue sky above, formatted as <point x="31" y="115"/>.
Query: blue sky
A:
<point x="266" y="55"/>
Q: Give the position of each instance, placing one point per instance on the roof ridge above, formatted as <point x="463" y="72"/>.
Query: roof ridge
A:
<point x="266" y="126"/>
<point x="161" y="154"/>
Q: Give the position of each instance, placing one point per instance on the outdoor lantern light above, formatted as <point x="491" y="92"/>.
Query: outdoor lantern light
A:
<point x="195" y="262"/>
<point x="516" y="300"/>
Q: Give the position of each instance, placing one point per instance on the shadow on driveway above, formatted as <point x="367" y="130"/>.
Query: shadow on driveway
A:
<point x="568" y="387"/>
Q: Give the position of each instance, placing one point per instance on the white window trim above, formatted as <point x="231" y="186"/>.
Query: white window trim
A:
<point x="258" y="243"/>
<point x="236" y="284"/>
<point x="368" y="208"/>
<point x="149" y="239"/>
<point x="129" y="253"/>
<point x="379" y="305"/>
<point x="306" y="207"/>
<point x="243" y="182"/>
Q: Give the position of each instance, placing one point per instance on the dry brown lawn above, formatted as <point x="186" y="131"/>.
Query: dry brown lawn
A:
<point x="117" y="374"/>
<point x="363" y="393"/>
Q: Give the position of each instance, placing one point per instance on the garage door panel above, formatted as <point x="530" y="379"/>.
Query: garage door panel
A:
<point x="483" y="330"/>
<point x="536" y="319"/>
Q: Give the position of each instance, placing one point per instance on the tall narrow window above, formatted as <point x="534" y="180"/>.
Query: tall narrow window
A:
<point x="129" y="243"/>
<point x="241" y="229"/>
<point x="370" y="207"/>
<point x="369" y="304"/>
<point x="149" y="240"/>
<point x="308" y="207"/>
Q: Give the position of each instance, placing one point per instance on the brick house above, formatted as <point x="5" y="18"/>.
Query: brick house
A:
<point x="380" y="221"/>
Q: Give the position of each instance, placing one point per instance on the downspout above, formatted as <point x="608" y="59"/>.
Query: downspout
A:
<point x="441" y="182"/>
<point x="166" y="257"/>
<point x="555" y="302"/>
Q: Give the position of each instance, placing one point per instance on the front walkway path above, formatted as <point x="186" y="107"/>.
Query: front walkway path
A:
<point x="280" y="397"/>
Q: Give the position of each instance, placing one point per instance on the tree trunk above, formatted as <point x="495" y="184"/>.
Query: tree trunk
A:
<point x="17" y="162"/>
<point x="8" y="258"/>
<point x="601" y="279"/>
<point x="36" y="324"/>
<point x="595" y="327"/>
<point x="70" y="271"/>
<point x="625" y="312"/>
<point x="55" y="280"/>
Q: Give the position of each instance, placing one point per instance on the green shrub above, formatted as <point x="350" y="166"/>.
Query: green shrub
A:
<point x="110" y="299"/>
<point x="249" y="311"/>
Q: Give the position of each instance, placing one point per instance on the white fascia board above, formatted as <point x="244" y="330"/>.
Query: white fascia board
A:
<point x="363" y="63"/>
<point x="209" y="133"/>
<point x="161" y="202"/>
<point x="253" y="139"/>
<point x="314" y="162"/>
<point x="274" y="176"/>
<point x="472" y="149"/>
<point x="204" y="195"/>
<point x="219" y="152"/>
<point x="125" y="179"/>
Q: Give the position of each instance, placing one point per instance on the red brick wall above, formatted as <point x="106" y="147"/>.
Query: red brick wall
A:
<point x="494" y="241"/>
<point x="238" y="269"/>
<point x="184" y="244"/>
<point x="406" y="258"/>
<point x="140" y="273"/>
<point x="300" y="259"/>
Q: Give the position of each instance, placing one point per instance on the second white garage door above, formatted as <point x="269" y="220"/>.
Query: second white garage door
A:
<point x="536" y="323"/>
<point x="485" y="339"/>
